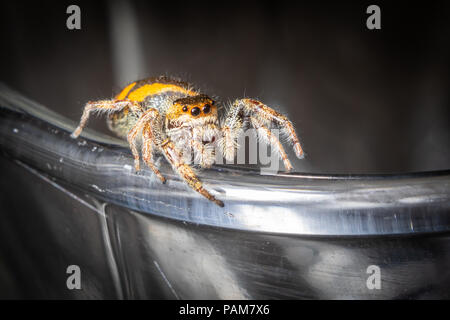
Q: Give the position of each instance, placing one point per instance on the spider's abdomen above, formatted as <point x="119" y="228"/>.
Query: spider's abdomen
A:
<point x="141" y="90"/>
<point x="149" y="93"/>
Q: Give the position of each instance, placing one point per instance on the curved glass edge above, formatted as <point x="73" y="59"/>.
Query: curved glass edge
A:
<point x="300" y="204"/>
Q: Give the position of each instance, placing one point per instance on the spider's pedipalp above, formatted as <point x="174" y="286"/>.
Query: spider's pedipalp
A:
<point x="203" y="143"/>
<point x="104" y="106"/>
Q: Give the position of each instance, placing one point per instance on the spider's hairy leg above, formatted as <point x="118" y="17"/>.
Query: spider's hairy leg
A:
<point x="256" y="109"/>
<point x="148" y="126"/>
<point x="230" y="131"/>
<point x="185" y="171"/>
<point x="268" y="137"/>
<point x="147" y="142"/>
<point x="104" y="106"/>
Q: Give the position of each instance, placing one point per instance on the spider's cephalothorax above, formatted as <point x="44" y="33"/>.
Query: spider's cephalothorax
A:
<point x="168" y="116"/>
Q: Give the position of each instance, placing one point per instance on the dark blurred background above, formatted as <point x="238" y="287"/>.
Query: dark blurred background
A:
<point x="363" y="101"/>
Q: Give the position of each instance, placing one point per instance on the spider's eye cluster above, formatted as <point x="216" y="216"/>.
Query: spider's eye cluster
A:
<point x="197" y="110"/>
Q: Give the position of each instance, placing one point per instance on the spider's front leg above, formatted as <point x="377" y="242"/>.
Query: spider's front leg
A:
<point x="260" y="117"/>
<point x="185" y="171"/>
<point x="149" y="126"/>
<point x="104" y="106"/>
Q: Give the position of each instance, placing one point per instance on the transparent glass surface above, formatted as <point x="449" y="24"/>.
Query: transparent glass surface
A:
<point x="78" y="201"/>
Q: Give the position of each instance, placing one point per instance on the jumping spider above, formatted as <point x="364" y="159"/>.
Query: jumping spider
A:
<point x="165" y="114"/>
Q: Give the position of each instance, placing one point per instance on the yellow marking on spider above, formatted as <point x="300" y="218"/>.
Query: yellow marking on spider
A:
<point x="125" y="91"/>
<point x="150" y="89"/>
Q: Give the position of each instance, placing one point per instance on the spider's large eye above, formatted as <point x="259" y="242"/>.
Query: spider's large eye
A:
<point x="195" y="111"/>
<point x="185" y="108"/>
<point x="206" y="108"/>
